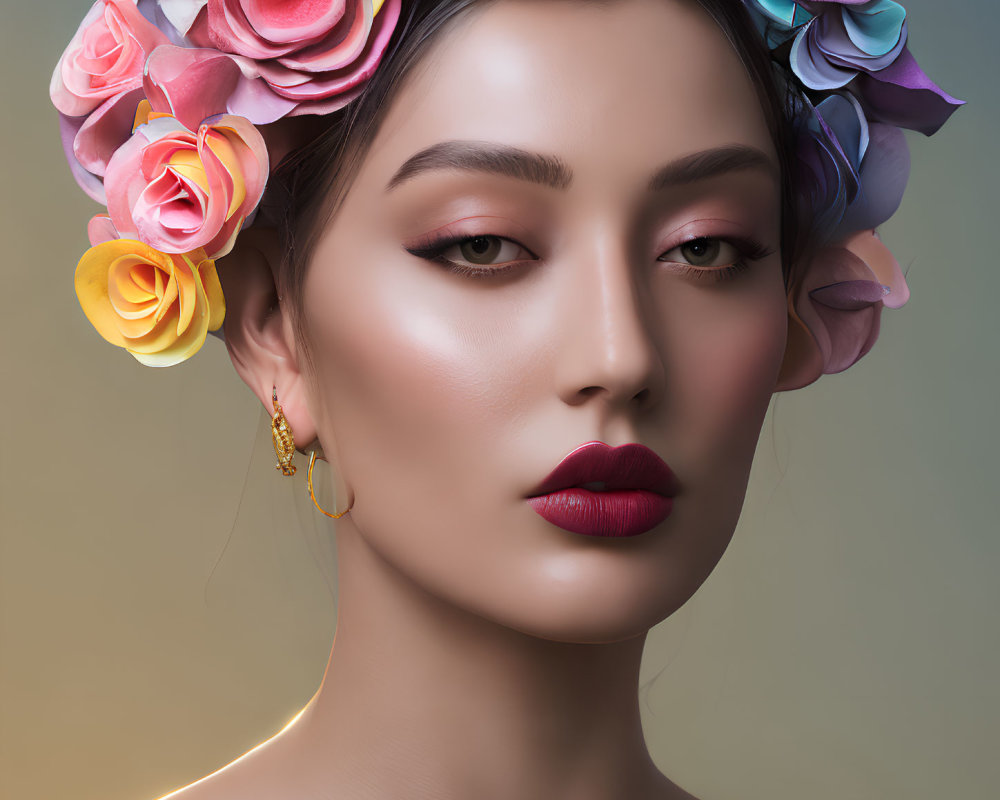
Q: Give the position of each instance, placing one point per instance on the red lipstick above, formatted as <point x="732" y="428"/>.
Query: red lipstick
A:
<point x="599" y="490"/>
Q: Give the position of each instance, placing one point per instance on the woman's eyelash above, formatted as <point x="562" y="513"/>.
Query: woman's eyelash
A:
<point x="435" y="249"/>
<point x="749" y="249"/>
<point x="714" y="274"/>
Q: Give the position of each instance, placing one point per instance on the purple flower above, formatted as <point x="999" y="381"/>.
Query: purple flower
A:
<point x="845" y="39"/>
<point x="860" y="46"/>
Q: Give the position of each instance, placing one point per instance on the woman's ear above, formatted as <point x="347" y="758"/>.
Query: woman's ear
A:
<point x="258" y="330"/>
<point x="835" y="305"/>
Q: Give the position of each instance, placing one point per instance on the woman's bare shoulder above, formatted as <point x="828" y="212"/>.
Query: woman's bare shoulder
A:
<point x="267" y="773"/>
<point x="211" y="787"/>
<point x="214" y="787"/>
<point x="250" y="777"/>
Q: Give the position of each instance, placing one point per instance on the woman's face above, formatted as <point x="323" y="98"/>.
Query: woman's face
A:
<point x="452" y="377"/>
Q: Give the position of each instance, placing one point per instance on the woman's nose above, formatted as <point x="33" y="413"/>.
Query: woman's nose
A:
<point x="608" y="345"/>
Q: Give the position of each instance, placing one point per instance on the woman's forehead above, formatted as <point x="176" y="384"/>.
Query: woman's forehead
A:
<point x="611" y="89"/>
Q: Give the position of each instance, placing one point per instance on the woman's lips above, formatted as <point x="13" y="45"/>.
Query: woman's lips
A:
<point x="623" y="512"/>
<point x="638" y="493"/>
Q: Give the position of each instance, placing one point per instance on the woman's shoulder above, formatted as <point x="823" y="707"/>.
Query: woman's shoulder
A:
<point x="250" y="777"/>
<point x="208" y="788"/>
<point x="229" y="787"/>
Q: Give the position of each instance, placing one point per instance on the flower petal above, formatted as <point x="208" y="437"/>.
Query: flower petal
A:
<point x="868" y="247"/>
<point x="181" y="13"/>
<point x="86" y="180"/>
<point x="279" y="21"/>
<point x="883" y="175"/>
<point x="101" y="229"/>
<point x="842" y="312"/>
<point x="191" y="84"/>
<point x="902" y="95"/>
<point x="876" y="28"/>
<point x="105" y="130"/>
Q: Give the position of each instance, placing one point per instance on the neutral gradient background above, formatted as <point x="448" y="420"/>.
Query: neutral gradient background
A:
<point x="167" y="600"/>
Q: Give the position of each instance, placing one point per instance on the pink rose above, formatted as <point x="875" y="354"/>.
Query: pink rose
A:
<point x="179" y="190"/>
<point x="105" y="57"/>
<point x="97" y="85"/>
<point x="299" y="57"/>
<point x="278" y="28"/>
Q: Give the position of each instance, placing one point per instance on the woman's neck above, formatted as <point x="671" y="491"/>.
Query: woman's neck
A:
<point x="423" y="699"/>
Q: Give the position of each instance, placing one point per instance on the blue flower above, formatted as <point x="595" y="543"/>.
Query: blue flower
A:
<point x="777" y="20"/>
<point x="845" y="39"/>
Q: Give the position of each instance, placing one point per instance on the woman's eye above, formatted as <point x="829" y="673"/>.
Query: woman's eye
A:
<point x="483" y="256"/>
<point x="703" y="252"/>
<point x="483" y="251"/>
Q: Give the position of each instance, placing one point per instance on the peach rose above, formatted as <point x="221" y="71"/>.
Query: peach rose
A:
<point x="179" y="190"/>
<point x="158" y="306"/>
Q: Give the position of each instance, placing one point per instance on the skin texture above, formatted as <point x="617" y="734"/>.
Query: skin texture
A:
<point x="480" y="650"/>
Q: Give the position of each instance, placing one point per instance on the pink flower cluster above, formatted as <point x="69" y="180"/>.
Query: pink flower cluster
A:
<point x="159" y="103"/>
<point x="194" y="59"/>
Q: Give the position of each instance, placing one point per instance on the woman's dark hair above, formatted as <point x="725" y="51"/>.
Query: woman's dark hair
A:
<point x="312" y="182"/>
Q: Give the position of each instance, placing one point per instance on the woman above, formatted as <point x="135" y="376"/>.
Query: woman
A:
<point x="532" y="307"/>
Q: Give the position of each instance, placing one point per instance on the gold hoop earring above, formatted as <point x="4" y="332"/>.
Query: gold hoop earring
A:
<point x="281" y="435"/>
<point x="312" y="494"/>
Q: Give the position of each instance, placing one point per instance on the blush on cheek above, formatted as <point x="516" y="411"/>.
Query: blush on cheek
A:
<point x="746" y="379"/>
<point x="724" y="379"/>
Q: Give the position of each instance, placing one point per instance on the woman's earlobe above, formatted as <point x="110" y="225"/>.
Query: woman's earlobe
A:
<point x="835" y="305"/>
<point x="257" y="334"/>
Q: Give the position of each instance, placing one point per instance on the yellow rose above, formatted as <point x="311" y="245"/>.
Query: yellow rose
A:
<point x="158" y="306"/>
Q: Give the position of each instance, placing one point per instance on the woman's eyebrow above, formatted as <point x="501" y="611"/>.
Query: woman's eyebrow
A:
<point x="711" y="163"/>
<point x="513" y="162"/>
<point x="496" y="159"/>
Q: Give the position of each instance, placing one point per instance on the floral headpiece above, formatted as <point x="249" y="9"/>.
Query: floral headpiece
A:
<point x="166" y="109"/>
<point x="171" y="110"/>
<point x="854" y="86"/>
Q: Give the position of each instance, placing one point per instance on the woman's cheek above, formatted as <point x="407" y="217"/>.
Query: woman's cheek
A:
<point x="403" y="379"/>
<point x="725" y="373"/>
